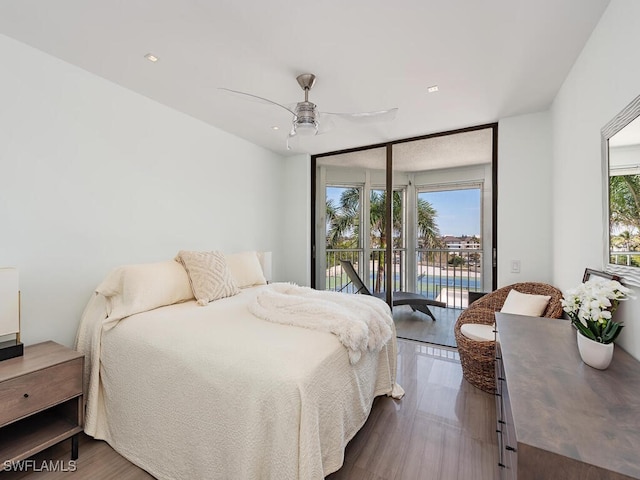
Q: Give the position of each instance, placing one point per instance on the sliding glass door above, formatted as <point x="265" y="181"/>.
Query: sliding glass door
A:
<point x="349" y="214"/>
<point x="451" y="262"/>
<point x="434" y="236"/>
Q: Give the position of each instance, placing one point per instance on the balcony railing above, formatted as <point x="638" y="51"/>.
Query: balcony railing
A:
<point x="336" y="278"/>
<point x="625" y="258"/>
<point x="447" y="275"/>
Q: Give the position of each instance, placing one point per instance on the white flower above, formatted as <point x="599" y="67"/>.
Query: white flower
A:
<point x="590" y="307"/>
<point x="594" y="300"/>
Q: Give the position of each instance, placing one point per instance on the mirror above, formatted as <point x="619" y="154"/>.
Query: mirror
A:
<point x="621" y="174"/>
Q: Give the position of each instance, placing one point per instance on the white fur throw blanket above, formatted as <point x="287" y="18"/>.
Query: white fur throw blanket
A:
<point x="360" y="322"/>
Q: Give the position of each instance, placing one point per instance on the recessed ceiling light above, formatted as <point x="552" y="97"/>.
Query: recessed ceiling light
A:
<point x="432" y="89"/>
<point x="151" y="57"/>
<point x="275" y="127"/>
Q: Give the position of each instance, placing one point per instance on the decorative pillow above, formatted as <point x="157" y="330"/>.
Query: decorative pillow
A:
<point x="245" y="269"/>
<point x="209" y="276"/>
<point x="525" y="304"/>
<point x="478" y="332"/>
<point x="133" y="289"/>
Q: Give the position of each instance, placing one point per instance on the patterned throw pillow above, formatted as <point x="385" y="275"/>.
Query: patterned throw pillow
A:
<point x="208" y="274"/>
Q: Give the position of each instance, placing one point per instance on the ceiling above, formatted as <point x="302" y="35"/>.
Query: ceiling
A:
<point x="491" y="59"/>
<point x="434" y="153"/>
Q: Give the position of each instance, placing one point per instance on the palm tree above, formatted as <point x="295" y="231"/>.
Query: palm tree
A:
<point x="378" y="228"/>
<point x="623" y="239"/>
<point x="343" y="224"/>
<point x="428" y="231"/>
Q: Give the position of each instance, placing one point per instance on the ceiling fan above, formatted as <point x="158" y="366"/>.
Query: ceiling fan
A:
<point x="308" y="121"/>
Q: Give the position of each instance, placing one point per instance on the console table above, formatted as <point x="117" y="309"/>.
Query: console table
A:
<point x="557" y="417"/>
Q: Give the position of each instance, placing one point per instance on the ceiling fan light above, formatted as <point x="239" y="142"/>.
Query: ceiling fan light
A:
<point x="306" y="129"/>
<point x="305" y="123"/>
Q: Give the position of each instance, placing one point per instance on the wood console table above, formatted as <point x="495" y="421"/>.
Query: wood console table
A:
<point x="562" y="418"/>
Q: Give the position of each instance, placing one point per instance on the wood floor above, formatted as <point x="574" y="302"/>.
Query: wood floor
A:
<point x="443" y="428"/>
<point x="412" y="325"/>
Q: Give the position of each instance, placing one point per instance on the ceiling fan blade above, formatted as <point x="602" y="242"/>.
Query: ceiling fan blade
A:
<point x="365" y="117"/>
<point x="325" y="124"/>
<point x="307" y="120"/>
<point x="293" y="140"/>
<point x="255" y="97"/>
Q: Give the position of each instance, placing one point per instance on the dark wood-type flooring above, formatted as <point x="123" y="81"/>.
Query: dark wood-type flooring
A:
<point x="442" y="429"/>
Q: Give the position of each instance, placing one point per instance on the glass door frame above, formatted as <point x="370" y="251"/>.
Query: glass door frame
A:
<point x="389" y="198"/>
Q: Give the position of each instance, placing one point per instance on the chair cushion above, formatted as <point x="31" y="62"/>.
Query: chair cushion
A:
<point x="478" y="332"/>
<point x="525" y="304"/>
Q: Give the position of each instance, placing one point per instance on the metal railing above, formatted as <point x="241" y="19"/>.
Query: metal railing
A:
<point x="625" y="258"/>
<point x="336" y="278"/>
<point x="447" y="275"/>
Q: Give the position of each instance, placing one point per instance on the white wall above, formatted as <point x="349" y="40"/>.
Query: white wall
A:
<point x="524" y="198"/>
<point x="297" y="220"/>
<point x="604" y="79"/>
<point x="93" y="176"/>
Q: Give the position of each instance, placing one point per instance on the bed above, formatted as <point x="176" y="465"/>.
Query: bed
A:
<point x="187" y="391"/>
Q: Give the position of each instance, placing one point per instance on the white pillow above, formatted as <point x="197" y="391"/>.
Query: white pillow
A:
<point x="525" y="304"/>
<point x="131" y="289"/>
<point x="479" y="332"/>
<point x="245" y="269"/>
<point x="209" y="276"/>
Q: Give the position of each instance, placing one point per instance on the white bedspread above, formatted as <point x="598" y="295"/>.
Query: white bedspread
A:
<point x="191" y="392"/>
<point x="360" y="323"/>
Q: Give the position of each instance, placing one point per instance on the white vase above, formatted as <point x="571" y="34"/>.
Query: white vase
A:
<point x="595" y="354"/>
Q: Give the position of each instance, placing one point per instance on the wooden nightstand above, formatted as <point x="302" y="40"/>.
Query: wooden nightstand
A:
<point x="40" y="401"/>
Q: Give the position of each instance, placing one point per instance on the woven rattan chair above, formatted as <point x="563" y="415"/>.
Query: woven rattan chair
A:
<point x="478" y="357"/>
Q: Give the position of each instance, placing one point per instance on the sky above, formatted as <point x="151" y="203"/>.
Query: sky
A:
<point x="458" y="210"/>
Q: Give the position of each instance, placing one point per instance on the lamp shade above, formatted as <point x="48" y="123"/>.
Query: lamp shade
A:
<point x="306" y="129"/>
<point x="9" y="301"/>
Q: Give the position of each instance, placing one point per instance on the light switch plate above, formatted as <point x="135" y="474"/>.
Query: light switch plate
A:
<point x="515" y="266"/>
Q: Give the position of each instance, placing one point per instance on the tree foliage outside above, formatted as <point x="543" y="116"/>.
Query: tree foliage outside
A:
<point x="343" y="221"/>
<point x="455" y="260"/>
<point x="624" y="216"/>
<point x="343" y="224"/>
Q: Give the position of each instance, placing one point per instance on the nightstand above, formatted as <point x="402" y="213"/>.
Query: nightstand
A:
<point x="40" y="401"/>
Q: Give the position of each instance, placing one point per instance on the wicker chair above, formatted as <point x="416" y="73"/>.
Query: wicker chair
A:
<point x="478" y="357"/>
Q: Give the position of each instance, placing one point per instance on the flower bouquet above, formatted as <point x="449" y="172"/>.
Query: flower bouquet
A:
<point x="590" y="307"/>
